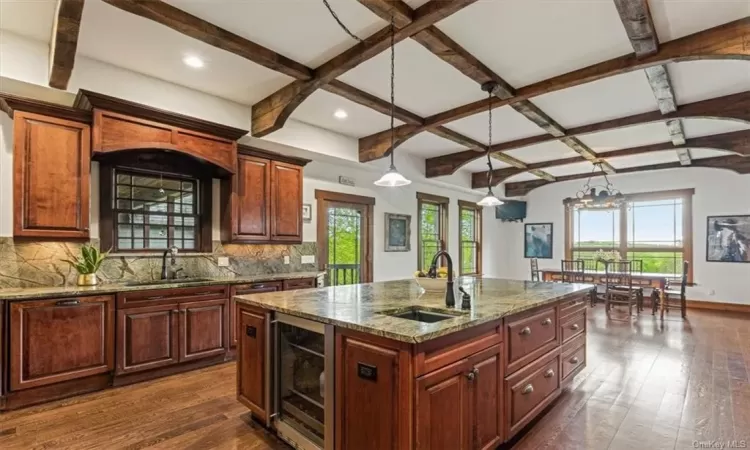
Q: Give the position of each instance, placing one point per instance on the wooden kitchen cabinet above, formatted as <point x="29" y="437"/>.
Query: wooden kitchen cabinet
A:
<point x="147" y="338"/>
<point x="262" y="203"/>
<point x="253" y="366"/>
<point x="204" y="330"/>
<point x="52" y="341"/>
<point x="51" y="171"/>
<point x="242" y="289"/>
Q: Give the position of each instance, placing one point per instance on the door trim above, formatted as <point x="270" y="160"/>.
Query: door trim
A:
<point x="323" y="199"/>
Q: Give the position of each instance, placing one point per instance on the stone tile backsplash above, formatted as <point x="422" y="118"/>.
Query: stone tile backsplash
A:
<point x="39" y="263"/>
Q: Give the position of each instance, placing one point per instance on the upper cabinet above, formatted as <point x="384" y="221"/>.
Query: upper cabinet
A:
<point x="51" y="169"/>
<point x="263" y="201"/>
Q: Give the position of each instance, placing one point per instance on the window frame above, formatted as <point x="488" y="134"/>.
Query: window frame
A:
<point x="108" y="212"/>
<point x="443" y="204"/>
<point x="477" y="210"/>
<point x="686" y="195"/>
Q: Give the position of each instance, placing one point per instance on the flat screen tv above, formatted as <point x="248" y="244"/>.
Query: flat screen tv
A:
<point x="511" y="211"/>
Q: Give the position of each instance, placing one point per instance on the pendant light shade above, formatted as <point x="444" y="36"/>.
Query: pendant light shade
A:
<point x="489" y="199"/>
<point x="392" y="179"/>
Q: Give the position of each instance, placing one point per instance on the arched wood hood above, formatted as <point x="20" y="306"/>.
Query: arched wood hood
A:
<point x="120" y="125"/>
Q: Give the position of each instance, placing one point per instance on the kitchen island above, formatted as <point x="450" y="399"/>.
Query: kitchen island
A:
<point x="389" y="366"/>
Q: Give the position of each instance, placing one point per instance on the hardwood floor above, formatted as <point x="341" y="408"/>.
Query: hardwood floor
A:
<point x="647" y="385"/>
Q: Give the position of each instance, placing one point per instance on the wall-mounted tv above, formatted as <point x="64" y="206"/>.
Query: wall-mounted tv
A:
<point x="511" y="211"/>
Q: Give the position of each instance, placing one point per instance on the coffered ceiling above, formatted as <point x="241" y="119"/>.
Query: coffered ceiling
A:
<point x="285" y="50"/>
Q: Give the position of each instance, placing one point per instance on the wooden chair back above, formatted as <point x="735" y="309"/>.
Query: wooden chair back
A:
<point x="572" y="270"/>
<point x="637" y="266"/>
<point x="534" y="269"/>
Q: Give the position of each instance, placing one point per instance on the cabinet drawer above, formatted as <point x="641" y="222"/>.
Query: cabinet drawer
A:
<point x="257" y="288"/>
<point x="572" y="361"/>
<point x="301" y="283"/>
<point x="573" y="326"/>
<point x="568" y="308"/>
<point x="154" y="297"/>
<point x="530" y="390"/>
<point x="440" y="352"/>
<point x="530" y="336"/>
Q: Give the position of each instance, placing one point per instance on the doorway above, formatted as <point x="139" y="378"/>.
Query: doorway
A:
<point x="344" y="223"/>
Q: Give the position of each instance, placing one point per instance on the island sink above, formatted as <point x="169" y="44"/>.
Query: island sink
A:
<point x="421" y="315"/>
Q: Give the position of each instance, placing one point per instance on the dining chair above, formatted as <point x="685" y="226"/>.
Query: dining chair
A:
<point x="535" y="274"/>
<point x="637" y="269"/>
<point x="671" y="293"/>
<point x="572" y="271"/>
<point x="620" y="289"/>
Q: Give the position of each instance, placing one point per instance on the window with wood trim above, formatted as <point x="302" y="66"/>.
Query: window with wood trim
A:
<point x="470" y="238"/>
<point x="654" y="228"/>
<point x="433" y="228"/>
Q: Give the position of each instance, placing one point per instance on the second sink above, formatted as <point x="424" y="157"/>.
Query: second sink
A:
<point x="419" y="314"/>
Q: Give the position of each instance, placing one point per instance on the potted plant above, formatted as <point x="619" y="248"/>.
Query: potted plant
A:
<point x="87" y="265"/>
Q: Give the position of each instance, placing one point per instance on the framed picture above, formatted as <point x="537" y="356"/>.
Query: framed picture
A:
<point x="397" y="232"/>
<point x="306" y="212"/>
<point x="538" y="240"/>
<point x="728" y="239"/>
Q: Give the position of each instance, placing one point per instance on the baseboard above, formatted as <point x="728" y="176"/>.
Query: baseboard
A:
<point x="718" y="306"/>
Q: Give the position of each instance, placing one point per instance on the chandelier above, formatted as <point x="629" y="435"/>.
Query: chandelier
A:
<point x="597" y="196"/>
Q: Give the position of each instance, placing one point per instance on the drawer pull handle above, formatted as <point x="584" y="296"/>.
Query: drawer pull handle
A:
<point x="574" y="360"/>
<point x="204" y="293"/>
<point x="574" y="327"/>
<point x="546" y="321"/>
<point x="525" y="331"/>
<point x="156" y="297"/>
<point x="549" y="373"/>
<point x="473" y="374"/>
<point x="528" y="389"/>
<point x="258" y="286"/>
<point x="175" y="311"/>
<point x="68" y="302"/>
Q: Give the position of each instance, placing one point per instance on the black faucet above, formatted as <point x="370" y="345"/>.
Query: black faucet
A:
<point x="170" y="251"/>
<point x="450" y="298"/>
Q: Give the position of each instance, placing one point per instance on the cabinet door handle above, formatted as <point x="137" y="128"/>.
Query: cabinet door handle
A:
<point x="546" y="321"/>
<point x="549" y="373"/>
<point x="525" y="331"/>
<point x="575" y="327"/>
<point x="528" y="389"/>
<point x="473" y="374"/>
<point x="574" y="360"/>
<point x="175" y="311"/>
<point x="68" y="302"/>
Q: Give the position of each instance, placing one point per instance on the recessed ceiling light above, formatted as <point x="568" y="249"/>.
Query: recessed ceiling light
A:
<point x="340" y="114"/>
<point x="193" y="61"/>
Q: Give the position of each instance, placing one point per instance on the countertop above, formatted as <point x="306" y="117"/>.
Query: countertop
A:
<point x="360" y="306"/>
<point x="111" y="288"/>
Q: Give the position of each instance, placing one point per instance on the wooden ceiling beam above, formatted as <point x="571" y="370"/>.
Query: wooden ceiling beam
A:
<point x="737" y="142"/>
<point x="728" y="41"/>
<point x="270" y="114"/>
<point x="62" y="49"/>
<point x="734" y="163"/>
<point x="733" y="107"/>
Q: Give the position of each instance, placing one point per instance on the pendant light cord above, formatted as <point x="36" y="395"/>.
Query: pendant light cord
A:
<point x="341" y="24"/>
<point x="489" y="142"/>
<point x="393" y="90"/>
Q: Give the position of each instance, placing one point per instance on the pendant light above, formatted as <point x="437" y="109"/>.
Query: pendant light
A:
<point x="489" y="199"/>
<point x="392" y="178"/>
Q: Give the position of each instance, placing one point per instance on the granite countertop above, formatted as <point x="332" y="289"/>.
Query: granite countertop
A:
<point x="360" y="306"/>
<point x="111" y="288"/>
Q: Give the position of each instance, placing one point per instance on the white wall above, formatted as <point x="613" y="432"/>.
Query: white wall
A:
<point x="717" y="192"/>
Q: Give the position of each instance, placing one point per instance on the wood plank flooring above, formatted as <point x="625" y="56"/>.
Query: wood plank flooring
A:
<point x="647" y="385"/>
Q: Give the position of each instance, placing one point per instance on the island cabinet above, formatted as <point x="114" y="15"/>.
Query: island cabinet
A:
<point x="170" y="330"/>
<point x="243" y="289"/>
<point x="263" y="201"/>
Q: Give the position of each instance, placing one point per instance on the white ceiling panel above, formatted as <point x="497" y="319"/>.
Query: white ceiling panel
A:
<point x="571" y="169"/>
<point x="700" y="153"/>
<point x="302" y="30"/>
<point x="425" y="84"/>
<point x="525" y="176"/>
<point x="427" y="145"/>
<point x="415" y="3"/>
<point x="635" y="136"/>
<point x="545" y="151"/>
<point x="107" y="35"/>
<point x="704" y="127"/>
<point x="675" y="19"/>
<point x="32" y="19"/>
<point x="693" y="81"/>
<point x="525" y="41"/>
<point x="645" y="159"/>
<point x="605" y="99"/>
<point x="318" y="110"/>
<point x="480" y="165"/>
<point x="507" y="125"/>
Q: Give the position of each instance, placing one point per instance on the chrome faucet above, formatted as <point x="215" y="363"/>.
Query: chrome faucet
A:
<point x="450" y="298"/>
<point x="172" y="251"/>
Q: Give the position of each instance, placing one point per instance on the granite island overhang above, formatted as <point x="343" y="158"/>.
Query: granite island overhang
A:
<point x="503" y="360"/>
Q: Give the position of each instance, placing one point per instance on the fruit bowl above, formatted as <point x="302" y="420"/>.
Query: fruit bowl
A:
<point x="432" y="284"/>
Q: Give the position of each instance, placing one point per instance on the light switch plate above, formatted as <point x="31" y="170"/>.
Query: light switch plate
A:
<point x="286" y="259"/>
<point x="308" y="259"/>
<point x="222" y="261"/>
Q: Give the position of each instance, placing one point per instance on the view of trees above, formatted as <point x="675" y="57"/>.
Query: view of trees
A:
<point x="468" y="241"/>
<point x="344" y="246"/>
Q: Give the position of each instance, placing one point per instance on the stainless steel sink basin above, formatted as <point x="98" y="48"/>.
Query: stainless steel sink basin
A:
<point x="421" y="315"/>
<point x="159" y="282"/>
